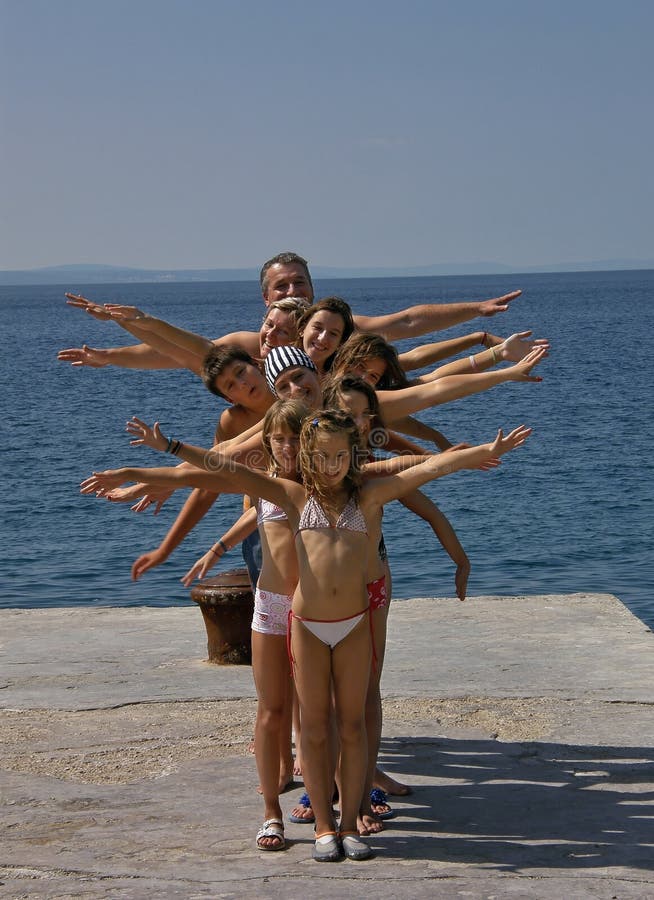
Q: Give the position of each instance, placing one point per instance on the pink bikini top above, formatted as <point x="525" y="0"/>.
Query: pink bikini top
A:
<point x="314" y="516"/>
<point x="269" y="512"/>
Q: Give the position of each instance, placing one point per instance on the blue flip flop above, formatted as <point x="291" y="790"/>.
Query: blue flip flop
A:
<point x="306" y="803"/>
<point x="378" y="798"/>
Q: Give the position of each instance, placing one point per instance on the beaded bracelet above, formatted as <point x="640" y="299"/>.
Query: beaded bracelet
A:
<point x="483" y="339"/>
<point x="493" y="354"/>
<point x="222" y="546"/>
<point x="473" y="364"/>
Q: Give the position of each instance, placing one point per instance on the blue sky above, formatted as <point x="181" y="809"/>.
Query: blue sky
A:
<point x="189" y="133"/>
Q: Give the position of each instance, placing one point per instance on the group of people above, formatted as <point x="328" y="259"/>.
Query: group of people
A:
<point x="311" y="396"/>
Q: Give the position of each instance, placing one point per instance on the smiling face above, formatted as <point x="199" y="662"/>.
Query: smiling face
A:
<point x="284" y="448"/>
<point x="356" y="404"/>
<point x="286" y="280"/>
<point x="298" y="383"/>
<point x="322" y="336"/>
<point x="331" y="458"/>
<point x="370" y="370"/>
<point x="278" y="329"/>
<point x="242" y="383"/>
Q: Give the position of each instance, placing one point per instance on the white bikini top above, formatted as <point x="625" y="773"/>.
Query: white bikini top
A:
<point x="269" y="512"/>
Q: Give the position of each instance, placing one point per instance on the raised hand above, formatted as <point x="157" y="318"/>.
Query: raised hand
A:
<point x="144" y="495"/>
<point x="93" y="309"/>
<point x="84" y="356"/>
<point x="518" y="345"/>
<point x="126" y="313"/>
<point x="99" y="483"/>
<point x="143" y="434"/>
<point x="513" y="439"/>
<point x="497" y="304"/>
<point x="521" y="370"/>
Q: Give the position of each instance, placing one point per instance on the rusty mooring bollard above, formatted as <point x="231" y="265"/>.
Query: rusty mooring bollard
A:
<point x="227" y="604"/>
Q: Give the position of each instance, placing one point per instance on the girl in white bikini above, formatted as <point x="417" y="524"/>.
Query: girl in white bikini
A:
<point x="331" y="515"/>
<point x="272" y="604"/>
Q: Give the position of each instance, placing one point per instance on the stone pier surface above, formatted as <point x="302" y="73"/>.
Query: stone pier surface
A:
<point x="525" y="726"/>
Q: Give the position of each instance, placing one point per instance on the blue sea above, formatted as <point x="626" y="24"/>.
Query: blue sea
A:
<point x="571" y="511"/>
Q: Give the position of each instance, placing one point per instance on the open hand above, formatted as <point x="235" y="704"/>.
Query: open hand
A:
<point x="147" y="561"/>
<point x="200" y="568"/>
<point x="521" y="371"/>
<point x="84" y="356"/>
<point x="99" y="483"/>
<point x="144" y="495"/>
<point x="513" y="439"/>
<point x="143" y="434"/>
<point x="518" y="345"/>
<point x="93" y="309"/>
<point x="497" y="304"/>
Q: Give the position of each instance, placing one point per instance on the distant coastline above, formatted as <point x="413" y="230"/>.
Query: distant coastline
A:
<point x="104" y="274"/>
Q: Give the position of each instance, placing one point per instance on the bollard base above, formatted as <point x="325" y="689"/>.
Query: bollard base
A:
<point x="227" y="604"/>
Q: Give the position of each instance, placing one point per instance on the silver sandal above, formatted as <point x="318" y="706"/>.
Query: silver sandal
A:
<point x="271" y="828"/>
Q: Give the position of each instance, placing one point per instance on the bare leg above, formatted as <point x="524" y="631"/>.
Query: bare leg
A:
<point x="297" y="731"/>
<point x="351" y="672"/>
<point x="271" y="676"/>
<point x="368" y="822"/>
<point x="380" y="779"/>
<point x="313" y="660"/>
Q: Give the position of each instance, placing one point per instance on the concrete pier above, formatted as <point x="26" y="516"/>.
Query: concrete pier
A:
<point x="525" y="726"/>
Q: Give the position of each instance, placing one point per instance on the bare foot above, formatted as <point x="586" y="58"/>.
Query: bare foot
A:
<point x="379" y="805"/>
<point x="297" y="766"/>
<point x="302" y="813"/>
<point x="389" y="785"/>
<point x="367" y="823"/>
<point x="251" y="746"/>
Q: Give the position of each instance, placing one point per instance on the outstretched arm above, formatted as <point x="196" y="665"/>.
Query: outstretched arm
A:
<point x="222" y="475"/>
<point x="513" y="349"/>
<point x="404" y="402"/>
<point x="422" y="506"/>
<point x="196" y="506"/>
<point x="426" y="354"/>
<point x="417" y="429"/>
<point x="186" y="347"/>
<point x="242" y="528"/>
<point x="386" y="489"/>
<point x="138" y="356"/>
<point x="417" y="320"/>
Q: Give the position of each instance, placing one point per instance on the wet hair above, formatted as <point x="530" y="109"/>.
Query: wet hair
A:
<point x="288" y="414"/>
<point x="215" y="362"/>
<point x="330" y="421"/>
<point x="285" y="258"/>
<point x="363" y="346"/>
<point x="337" y="385"/>
<point x="333" y="305"/>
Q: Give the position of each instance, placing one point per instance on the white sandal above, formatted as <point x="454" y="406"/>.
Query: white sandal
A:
<point x="271" y="828"/>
